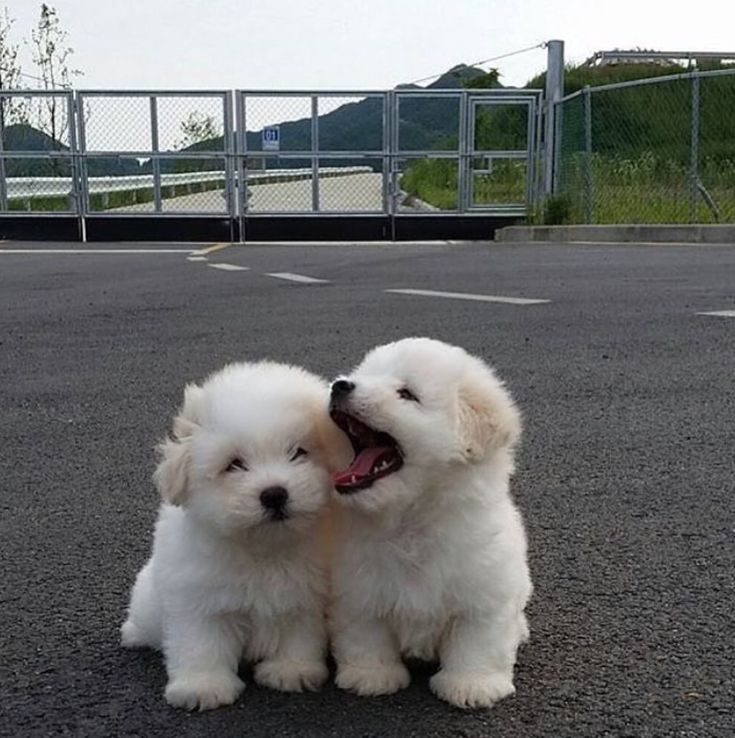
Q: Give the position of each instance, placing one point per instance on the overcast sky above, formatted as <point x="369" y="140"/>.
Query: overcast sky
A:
<point x="355" y="44"/>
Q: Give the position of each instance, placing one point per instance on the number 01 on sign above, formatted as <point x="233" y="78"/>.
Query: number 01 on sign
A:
<point x="271" y="138"/>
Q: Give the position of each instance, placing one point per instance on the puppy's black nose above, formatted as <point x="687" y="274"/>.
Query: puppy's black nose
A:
<point x="341" y="388"/>
<point x="273" y="498"/>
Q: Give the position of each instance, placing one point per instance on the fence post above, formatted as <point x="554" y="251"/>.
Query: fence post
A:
<point x="464" y="163"/>
<point x="387" y="149"/>
<point x="228" y="146"/>
<point x="694" y="153"/>
<point x="588" y="194"/>
<point x="3" y="181"/>
<point x="393" y="101"/>
<point x="156" y="162"/>
<point x="75" y="115"/>
<point x="554" y="93"/>
<point x="315" y="153"/>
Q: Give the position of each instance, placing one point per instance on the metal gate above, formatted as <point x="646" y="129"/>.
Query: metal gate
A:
<point x="266" y="165"/>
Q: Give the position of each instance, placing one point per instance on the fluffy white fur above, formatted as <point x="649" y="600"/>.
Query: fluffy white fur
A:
<point x="431" y="560"/>
<point x="225" y="578"/>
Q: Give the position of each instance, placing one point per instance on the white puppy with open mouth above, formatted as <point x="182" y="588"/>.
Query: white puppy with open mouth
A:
<point x="238" y="565"/>
<point x="431" y="551"/>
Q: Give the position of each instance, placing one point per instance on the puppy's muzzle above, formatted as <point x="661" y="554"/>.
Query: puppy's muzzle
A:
<point x="341" y="390"/>
<point x="274" y="500"/>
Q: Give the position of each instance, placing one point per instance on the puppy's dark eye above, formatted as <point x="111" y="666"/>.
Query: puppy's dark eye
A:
<point x="405" y="394"/>
<point x="236" y="465"/>
<point x="299" y="453"/>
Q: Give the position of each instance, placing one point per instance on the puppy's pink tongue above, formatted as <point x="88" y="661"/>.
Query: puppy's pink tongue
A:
<point x="362" y="465"/>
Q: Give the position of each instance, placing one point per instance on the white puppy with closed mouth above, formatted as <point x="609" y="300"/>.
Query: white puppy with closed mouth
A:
<point x="238" y="565"/>
<point x="430" y="559"/>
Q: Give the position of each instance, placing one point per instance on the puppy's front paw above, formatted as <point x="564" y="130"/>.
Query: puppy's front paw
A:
<point x="471" y="690"/>
<point x="291" y="676"/>
<point x="131" y="636"/>
<point x="203" y="691"/>
<point x="369" y="681"/>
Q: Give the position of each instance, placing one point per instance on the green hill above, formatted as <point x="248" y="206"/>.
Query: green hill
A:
<point x="357" y="126"/>
<point x="22" y="137"/>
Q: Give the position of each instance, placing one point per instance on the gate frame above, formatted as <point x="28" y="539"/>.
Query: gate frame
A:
<point x="392" y="154"/>
<point x="530" y="153"/>
<point x="235" y="221"/>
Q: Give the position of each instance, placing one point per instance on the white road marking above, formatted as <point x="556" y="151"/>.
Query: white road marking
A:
<point x="211" y="249"/>
<point x="297" y="278"/>
<point x="720" y="313"/>
<point x="95" y="251"/>
<point x="469" y="296"/>
<point x="196" y="258"/>
<point x="229" y="267"/>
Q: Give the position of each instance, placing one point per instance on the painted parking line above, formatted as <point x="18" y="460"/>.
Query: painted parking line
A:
<point x="302" y="278"/>
<point x="720" y="313"/>
<point x="229" y="267"/>
<point x="212" y="249"/>
<point x="95" y="251"/>
<point x="470" y="296"/>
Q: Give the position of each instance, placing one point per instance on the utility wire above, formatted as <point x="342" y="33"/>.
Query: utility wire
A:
<point x="485" y="61"/>
<point x="41" y="79"/>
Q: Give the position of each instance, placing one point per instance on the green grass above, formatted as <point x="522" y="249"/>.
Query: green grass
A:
<point x="646" y="189"/>
<point x="433" y="181"/>
<point x="41" y="204"/>
<point x="103" y="201"/>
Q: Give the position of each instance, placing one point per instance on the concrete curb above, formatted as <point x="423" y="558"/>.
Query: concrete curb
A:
<point x="723" y="234"/>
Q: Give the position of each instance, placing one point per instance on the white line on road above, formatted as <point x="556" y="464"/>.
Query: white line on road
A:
<point x="211" y="249"/>
<point x="95" y="251"/>
<point x="469" y="296"/>
<point x="720" y="313"/>
<point x="229" y="267"/>
<point x="196" y="258"/>
<point x="297" y="278"/>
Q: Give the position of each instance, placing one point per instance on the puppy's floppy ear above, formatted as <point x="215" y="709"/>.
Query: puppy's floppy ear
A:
<point x="172" y="474"/>
<point x="487" y="417"/>
<point x="190" y="415"/>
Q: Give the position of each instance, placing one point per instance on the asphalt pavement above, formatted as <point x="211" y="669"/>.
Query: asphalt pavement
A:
<point x="625" y="478"/>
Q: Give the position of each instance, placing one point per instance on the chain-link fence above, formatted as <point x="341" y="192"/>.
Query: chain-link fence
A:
<point x="162" y="152"/>
<point x="311" y="153"/>
<point x="659" y="150"/>
<point x="37" y="152"/>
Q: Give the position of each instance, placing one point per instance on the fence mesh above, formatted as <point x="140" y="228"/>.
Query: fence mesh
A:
<point x="428" y="183"/>
<point x="717" y="147"/>
<point x="428" y="123"/>
<point x="36" y="166"/>
<point x="661" y="152"/>
<point x="498" y="181"/>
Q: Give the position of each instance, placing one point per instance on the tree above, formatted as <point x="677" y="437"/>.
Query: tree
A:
<point x="196" y="128"/>
<point x="51" y="56"/>
<point x="11" y="110"/>
<point x="488" y="80"/>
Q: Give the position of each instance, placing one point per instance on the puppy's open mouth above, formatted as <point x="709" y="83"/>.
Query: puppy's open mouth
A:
<point x="376" y="454"/>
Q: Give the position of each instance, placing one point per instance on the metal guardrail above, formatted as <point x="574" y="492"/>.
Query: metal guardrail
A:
<point x="27" y="187"/>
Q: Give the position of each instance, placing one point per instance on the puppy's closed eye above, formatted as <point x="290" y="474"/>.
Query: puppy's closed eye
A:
<point x="236" y="465"/>
<point x="405" y="394"/>
<point x="299" y="453"/>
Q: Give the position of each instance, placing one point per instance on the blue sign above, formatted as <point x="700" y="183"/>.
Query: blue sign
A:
<point x="271" y="138"/>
